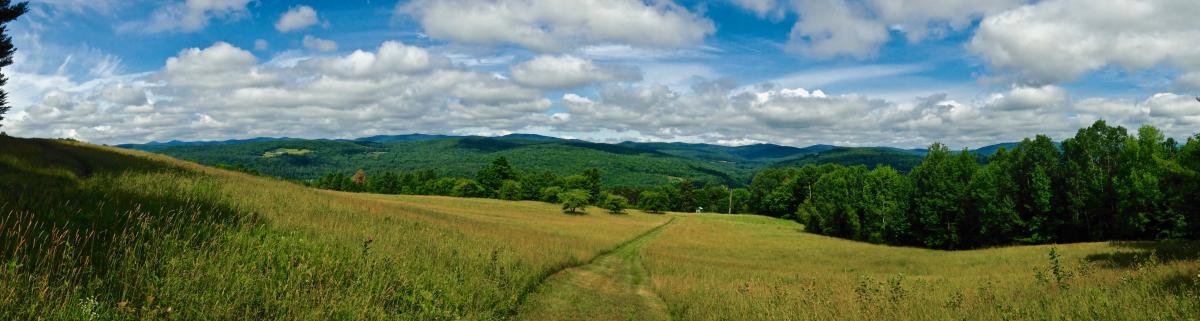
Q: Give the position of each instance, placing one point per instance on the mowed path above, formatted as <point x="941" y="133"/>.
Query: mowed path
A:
<point x="614" y="286"/>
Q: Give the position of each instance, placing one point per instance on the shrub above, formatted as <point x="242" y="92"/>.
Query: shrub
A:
<point x="550" y="194"/>
<point x="509" y="190"/>
<point x="615" y="204"/>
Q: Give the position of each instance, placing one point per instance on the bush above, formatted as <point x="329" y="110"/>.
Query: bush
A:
<point x="574" y="201"/>
<point x="550" y="194"/>
<point x="615" y="204"/>
<point x="509" y="190"/>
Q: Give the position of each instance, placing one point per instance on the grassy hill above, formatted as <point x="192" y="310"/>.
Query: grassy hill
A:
<point x="92" y="232"/>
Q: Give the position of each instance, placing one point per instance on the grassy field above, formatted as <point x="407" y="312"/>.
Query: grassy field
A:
<point x="94" y="233"/>
<point x="718" y="267"/>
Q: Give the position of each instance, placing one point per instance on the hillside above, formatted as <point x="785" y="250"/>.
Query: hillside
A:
<point x="902" y="160"/>
<point x="461" y="157"/>
<point x="101" y="233"/>
<point x="632" y="164"/>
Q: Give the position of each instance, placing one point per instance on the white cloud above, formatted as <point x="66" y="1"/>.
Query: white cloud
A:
<point x="220" y="66"/>
<point x="390" y="58"/>
<point x="1025" y="98"/>
<point x="763" y="8"/>
<point x="392" y="89"/>
<point x="261" y="44"/>
<point x="829" y="28"/>
<point x="188" y="16"/>
<point x="552" y="25"/>
<point x="1060" y="40"/>
<point x="318" y="44"/>
<point x="568" y="71"/>
<point x="297" y="18"/>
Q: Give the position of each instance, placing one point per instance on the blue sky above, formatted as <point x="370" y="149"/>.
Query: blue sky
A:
<point x="862" y="72"/>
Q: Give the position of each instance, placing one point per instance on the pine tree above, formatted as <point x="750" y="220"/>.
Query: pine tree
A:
<point x="8" y="13"/>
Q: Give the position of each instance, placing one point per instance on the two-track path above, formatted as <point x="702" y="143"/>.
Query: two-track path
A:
<point x="614" y="286"/>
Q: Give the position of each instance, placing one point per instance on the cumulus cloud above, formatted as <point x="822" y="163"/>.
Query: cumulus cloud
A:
<point x="391" y="57"/>
<point x="395" y="88"/>
<point x="188" y="16"/>
<point x="220" y="66"/>
<point x="568" y="71"/>
<point x="1025" y="98"/>
<point x="297" y="18"/>
<point x="318" y="44"/>
<point x="1060" y="40"/>
<point x="551" y="25"/>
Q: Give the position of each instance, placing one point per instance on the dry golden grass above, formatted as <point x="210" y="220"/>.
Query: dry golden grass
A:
<point x="718" y="267"/>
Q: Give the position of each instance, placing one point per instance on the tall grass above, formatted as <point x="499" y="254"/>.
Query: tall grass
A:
<point x="754" y="268"/>
<point x="94" y="233"/>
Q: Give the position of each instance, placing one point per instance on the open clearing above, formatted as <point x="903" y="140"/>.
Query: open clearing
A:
<point x="91" y="232"/>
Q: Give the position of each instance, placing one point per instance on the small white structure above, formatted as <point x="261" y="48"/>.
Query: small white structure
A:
<point x="699" y="209"/>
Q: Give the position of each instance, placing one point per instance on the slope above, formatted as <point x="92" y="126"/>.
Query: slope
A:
<point x="461" y="156"/>
<point x="902" y="160"/>
<point x="92" y="232"/>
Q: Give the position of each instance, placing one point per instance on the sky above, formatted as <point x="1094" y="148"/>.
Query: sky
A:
<point x="902" y="73"/>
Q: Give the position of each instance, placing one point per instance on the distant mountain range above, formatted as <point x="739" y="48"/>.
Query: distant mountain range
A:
<point x="625" y="164"/>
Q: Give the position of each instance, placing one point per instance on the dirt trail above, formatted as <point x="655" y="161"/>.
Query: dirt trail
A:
<point x="614" y="286"/>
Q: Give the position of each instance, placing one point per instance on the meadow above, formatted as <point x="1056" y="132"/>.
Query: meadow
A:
<point x="92" y="232"/>
<point x="740" y="267"/>
<point x="96" y="233"/>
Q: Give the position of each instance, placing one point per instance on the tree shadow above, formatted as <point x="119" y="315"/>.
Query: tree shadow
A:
<point x="1132" y="253"/>
<point x="69" y="207"/>
<point x="1181" y="283"/>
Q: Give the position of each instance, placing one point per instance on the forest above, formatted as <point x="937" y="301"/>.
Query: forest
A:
<point x="1102" y="184"/>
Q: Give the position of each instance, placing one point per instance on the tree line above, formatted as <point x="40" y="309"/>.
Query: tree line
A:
<point x="502" y="180"/>
<point x="1102" y="184"/>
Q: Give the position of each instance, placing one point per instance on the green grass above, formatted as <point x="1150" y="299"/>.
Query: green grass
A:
<point x="96" y="233"/>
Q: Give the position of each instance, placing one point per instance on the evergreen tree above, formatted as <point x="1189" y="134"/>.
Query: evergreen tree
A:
<point x="8" y="13"/>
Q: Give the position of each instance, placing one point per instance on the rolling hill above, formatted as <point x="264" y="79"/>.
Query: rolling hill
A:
<point x="633" y="164"/>
<point x="100" y="233"/>
<point x="902" y="160"/>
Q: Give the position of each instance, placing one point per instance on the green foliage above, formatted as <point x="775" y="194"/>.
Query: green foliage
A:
<point x="854" y="203"/>
<point x="1101" y="184"/>
<point x="574" y="201"/>
<point x="940" y="197"/>
<point x="493" y="176"/>
<point x="653" y="202"/>
<point x="509" y="190"/>
<point x="615" y="204"/>
<point x="464" y="157"/>
<point x="8" y="13"/>
<point x="592" y="183"/>
<point x="550" y="194"/>
<point x="869" y="156"/>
